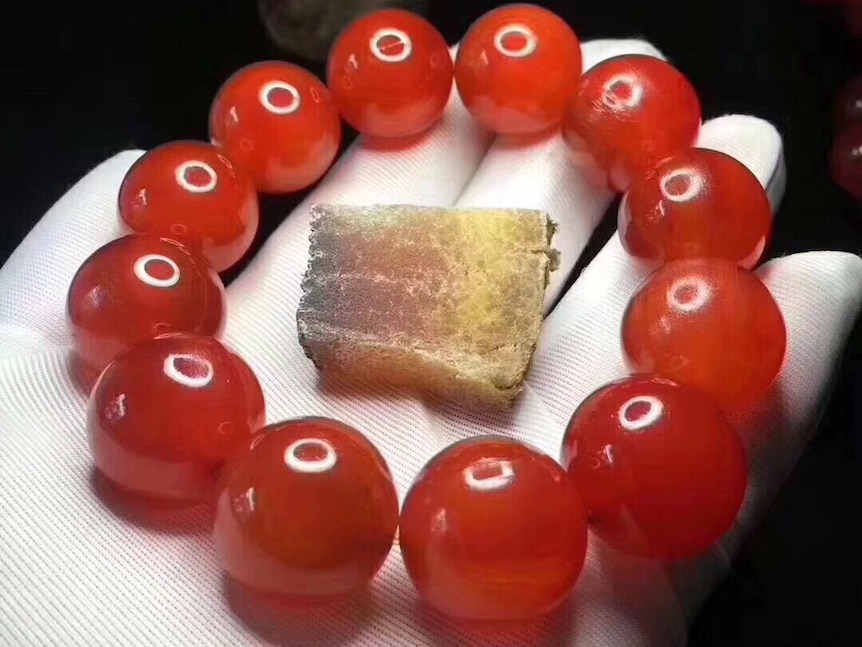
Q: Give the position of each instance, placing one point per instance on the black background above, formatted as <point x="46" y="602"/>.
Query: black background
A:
<point x="84" y="81"/>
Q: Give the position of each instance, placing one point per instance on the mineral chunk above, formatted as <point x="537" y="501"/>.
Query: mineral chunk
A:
<point x="441" y="300"/>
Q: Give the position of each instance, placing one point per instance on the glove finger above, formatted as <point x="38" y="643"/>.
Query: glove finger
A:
<point x="598" y="298"/>
<point x="434" y="172"/>
<point x="604" y="292"/>
<point x="820" y="294"/>
<point x="35" y="278"/>
<point x="637" y="600"/>
<point x="429" y="169"/>
<point x="541" y="175"/>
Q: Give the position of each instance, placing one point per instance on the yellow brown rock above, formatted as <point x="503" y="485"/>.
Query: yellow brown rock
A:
<point x="442" y="300"/>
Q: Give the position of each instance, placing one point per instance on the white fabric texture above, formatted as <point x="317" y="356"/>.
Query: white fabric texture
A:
<point x="74" y="570"/>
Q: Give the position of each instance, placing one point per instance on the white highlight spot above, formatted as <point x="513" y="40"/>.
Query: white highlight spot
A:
<point x="484" y="481"/>
<point x="265" y="97"/>
<point x="115" y="410"/>
<point x="689" y="294"/>
<point x="377" y="48"/>
<point x="653" y="413"/>
<point x="682" y="185"/>
<point x="173" y="369"/>
<point x="142" y="271"/>
<point x="295" y="461"/>
<point x="196" y="165"/>
<point x="529" y="45"/>
<point x="622" y="92"/>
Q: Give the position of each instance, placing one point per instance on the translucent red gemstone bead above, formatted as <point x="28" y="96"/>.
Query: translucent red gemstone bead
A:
<point x="661" y="471"/>
<point x="708" y="324"/>
<point x="493" y="530"/>
<point x="138" y="287"/>
<point x="165" y="415"/>
<point x="390" y="72"/>
<point x="278" y="123"/>
<point x="516" y="67"/>
<point x="190" y="192"/>
<point x="307" y="511"/>
<point x="846" y="160"/>
<point x="628" y="113"/>
<point x="698" y="203"/>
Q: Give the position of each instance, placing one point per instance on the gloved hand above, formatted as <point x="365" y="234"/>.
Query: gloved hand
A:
<point x="76" y="570"/>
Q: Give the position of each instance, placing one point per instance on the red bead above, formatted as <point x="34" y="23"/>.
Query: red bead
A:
<point x="629" y="113"/>
<point x="278" y="123"/>
<point x="660" y="469"/>
<point x="708" y="324"/>
<point x="516" y="67"/>
<point x="390" y="73"/>
<point x="165" y="415"/>
<point x="136" y="288"/>
<point x="848" y="105"/>
<point x="308" y="510"/>
<point x="190" y="192"/>
<point x="493" y="530"/>
<point x="846" y="160"/>
<point x="696" y="204"/>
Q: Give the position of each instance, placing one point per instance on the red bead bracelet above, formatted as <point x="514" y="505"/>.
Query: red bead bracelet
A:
<point x="491" y="529"/>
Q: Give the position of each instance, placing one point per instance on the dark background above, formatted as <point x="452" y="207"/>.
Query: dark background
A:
<point x="84" y="81"/>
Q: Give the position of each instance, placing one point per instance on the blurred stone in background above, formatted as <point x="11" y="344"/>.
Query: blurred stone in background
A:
<point x="307" y="28"/>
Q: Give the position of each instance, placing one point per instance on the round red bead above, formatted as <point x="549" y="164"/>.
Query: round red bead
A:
<point x="278" y="123"/>
<point x="493" y="530"/>
<point x="846" y="160"/>
<point x="138" y="287"/>
<point x="697" y="203"/>
<point x="190" y="192"/>
<point x="709" y="324"/>
<point x="165" y="415"/>
<point x="390" y="73"/>
<point x="661" y="471"/>
<point x="628" y="113"/>
<point x="307" y="511"/>
<point x="516" y="67"/>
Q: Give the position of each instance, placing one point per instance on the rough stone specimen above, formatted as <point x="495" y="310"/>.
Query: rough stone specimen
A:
<point x="441" y="300"/>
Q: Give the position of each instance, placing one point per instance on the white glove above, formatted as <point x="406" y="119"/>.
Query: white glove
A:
<point x="74" y="571"/>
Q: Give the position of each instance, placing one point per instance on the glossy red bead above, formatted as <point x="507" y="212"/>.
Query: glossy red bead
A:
<point x="277" y="122"/>
<point x="846" y="160"/>
<point x="307" y="511"/>
<point x="493" y="530"/>
<point x="660" y="470"/>
<point x="165" y="415"/>
<point x="708" y="324"/>
<point x="697" y="203"/>
<point x="190" y="192"/>
<point x="627" y="114"/>
<point x="516" y="67"/>
<point x="390" y="72"/>
<point x="138" y="287"/>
